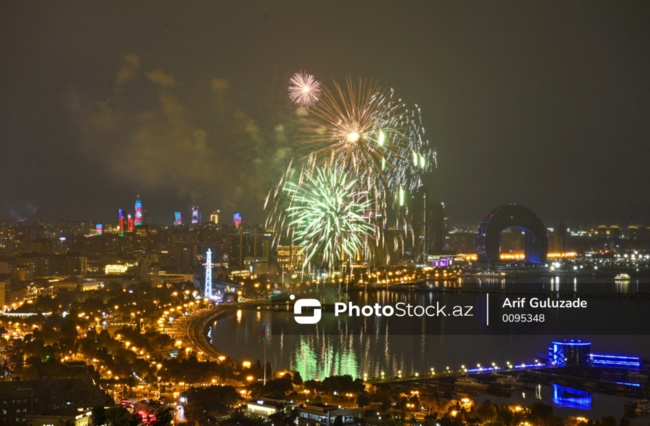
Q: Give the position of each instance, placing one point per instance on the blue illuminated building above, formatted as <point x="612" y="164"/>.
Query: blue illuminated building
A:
<point x="488" y="238"/>
<point x="598" y="360"/>
<point x="570" y="354"/>
<point x="578" y="354"/>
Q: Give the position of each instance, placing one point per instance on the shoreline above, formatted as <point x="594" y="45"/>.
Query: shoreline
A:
<point x="197" y="331"/>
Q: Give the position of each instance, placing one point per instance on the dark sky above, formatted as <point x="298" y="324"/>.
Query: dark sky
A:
<point x="541" y="103"/>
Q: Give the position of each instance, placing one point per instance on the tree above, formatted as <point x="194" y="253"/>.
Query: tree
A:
<point x="542" y="414"/>
<point x="98" y="417"/>
<point x="204" y="404"/>
<point x="164" y="417"/>
<point x="608" y="421"/>
<point x="486" y="412"/>
<point x="284" y="419"/>
<point x="505" y="416"/>
<point x="30" y="373"/>
<point x="297" y="378"/>
<point x="278" y="388"/>
<point x="312" y="385"/>
<point x="120" y="416"/>
<point x="363" y="399"/>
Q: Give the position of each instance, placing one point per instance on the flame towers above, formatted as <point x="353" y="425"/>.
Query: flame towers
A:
<point x="120" y="223"/>
<point x="138" y="212"/>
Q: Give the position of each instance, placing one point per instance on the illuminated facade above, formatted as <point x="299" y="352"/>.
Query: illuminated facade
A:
<point x="488" y="240"/>
<point x="5" y="294"/>
<point x="237" y="219"/>
<point x="196" y="216"/>
<point x="598" y="360"/>
<point x="177" y="219"/>
<point x="120" y="223"/>
<point x="99" y="229"/>
<point x="570" y="353"/>
<point x="578" y="354"/>
<point x="214" y="217"/>
<point x="117" y="268"/>
<point x="130" y="223"/>
<point x="290" y="257"/>
<point x="138" y="212"/>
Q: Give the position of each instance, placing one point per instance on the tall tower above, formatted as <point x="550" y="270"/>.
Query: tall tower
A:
<point x="138" y="211"/>
<point x="439" y="227"/>
<point x="196" y="216"/>
<point x="129" y="221"/>
<point x="120" y="223"/>
<point x="420" y="222"/>
<point x="208" y="274"/>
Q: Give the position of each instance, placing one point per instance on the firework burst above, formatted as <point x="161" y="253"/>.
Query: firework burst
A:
<point x="363" y="134"/>
<point x="369" y="131"/>
<point x="328" y="215"/>
<point x="304" y="89"/>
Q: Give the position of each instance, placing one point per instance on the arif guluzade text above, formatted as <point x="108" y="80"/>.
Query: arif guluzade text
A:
<point x="547" y="303"/>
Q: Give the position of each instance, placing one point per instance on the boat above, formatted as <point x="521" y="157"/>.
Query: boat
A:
<point x="469" y="383"/>
<point x="510" y="381"/>
<point x="622" y="277"/>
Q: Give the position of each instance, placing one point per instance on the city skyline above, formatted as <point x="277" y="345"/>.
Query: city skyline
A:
<point x="559" y="115"/>
<point x="352" y="213"/>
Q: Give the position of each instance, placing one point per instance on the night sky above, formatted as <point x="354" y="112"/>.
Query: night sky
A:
<point x="541" y="103"/>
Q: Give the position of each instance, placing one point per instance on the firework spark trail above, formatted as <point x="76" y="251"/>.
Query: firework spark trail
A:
<point x="328" y="214"/>
<point x="304" y="89"/>
<point x="367" y="133"/>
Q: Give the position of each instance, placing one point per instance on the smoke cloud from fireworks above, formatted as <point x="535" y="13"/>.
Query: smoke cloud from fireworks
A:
<point x="148" y="135"/>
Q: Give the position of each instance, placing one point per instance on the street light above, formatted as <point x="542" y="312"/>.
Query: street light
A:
<point x="410" y="407"/>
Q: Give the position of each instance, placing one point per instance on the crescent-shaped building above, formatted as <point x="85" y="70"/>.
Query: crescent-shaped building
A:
<point x="508" y="216"/>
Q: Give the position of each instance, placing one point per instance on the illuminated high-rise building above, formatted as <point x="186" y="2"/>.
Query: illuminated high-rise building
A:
<point x="120" y="223"/>
<point x="99" y="229"/>
<point x="177" y="218"/>
<point x="214" y="217"/>
<point x="130" y="222"/>
<point x="196" y="216"/>
<point x="237" y="219"/>
<point x="138" y="212"/>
